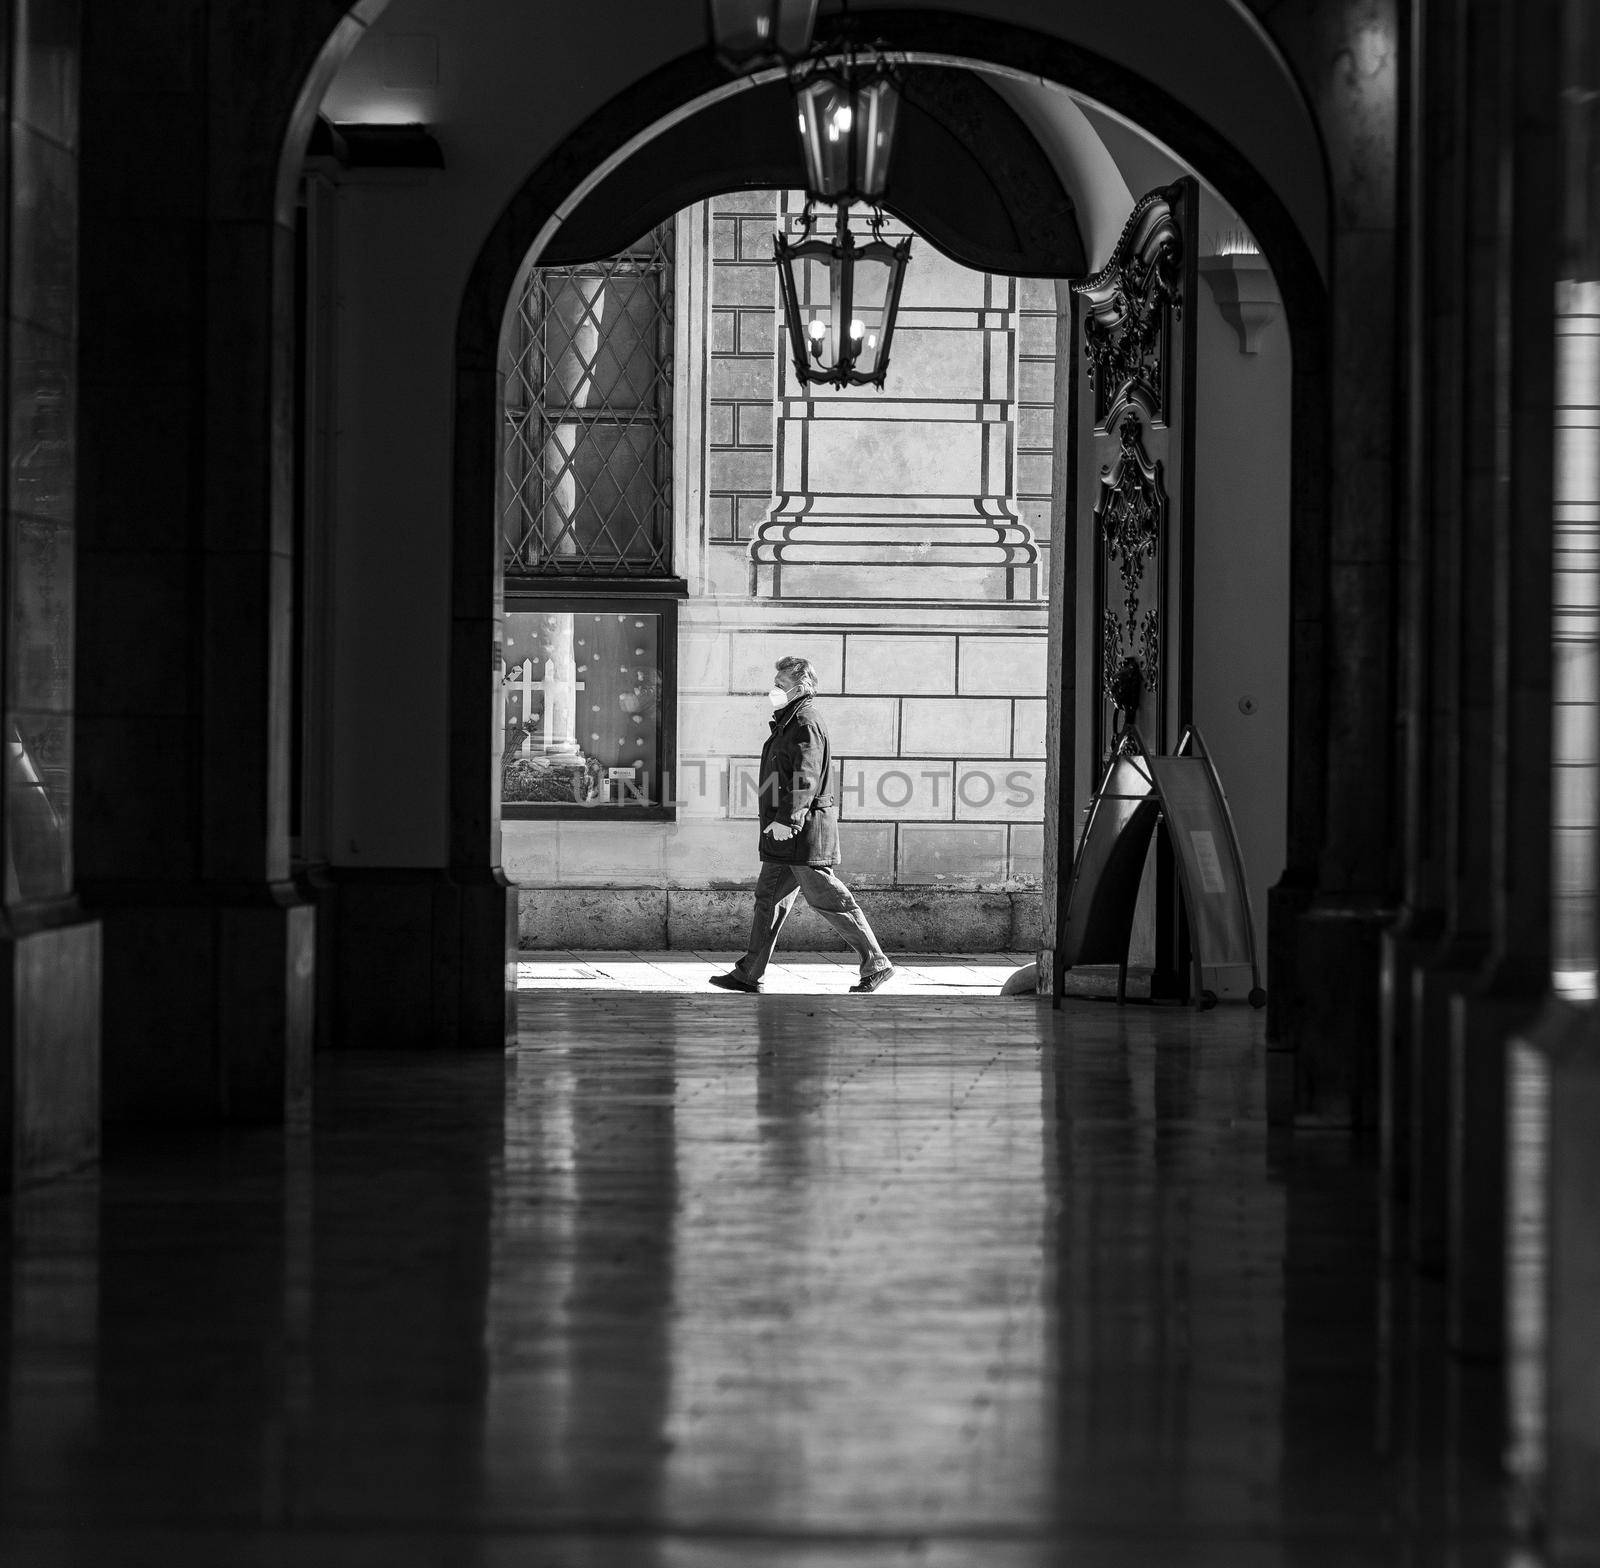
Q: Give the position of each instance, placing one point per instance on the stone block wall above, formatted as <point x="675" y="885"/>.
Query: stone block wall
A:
<point x="742" y="345"/>
<point x="917" y="601"/>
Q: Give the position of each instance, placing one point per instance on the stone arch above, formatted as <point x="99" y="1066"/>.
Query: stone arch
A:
<point x="604" y="140"/>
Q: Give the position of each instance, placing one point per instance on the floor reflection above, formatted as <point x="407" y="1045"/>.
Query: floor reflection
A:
<point x="1165" y="1263"/>
<point x="583" y="1283"/>
<point x="691" y="1282"/>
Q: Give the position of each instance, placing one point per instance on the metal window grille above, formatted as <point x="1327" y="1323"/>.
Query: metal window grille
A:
<point x="587" y="474"/>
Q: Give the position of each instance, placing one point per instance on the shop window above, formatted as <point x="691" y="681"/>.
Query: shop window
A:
<point x="586" y="715"/>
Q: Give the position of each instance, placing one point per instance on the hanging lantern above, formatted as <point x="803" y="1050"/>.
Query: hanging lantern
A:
<point x="748" y="33"/>
<point x="846" y="112"/>
<point x="839" y="301"/>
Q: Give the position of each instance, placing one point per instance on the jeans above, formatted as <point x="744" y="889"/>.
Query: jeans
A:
<point x="776" y="889"/>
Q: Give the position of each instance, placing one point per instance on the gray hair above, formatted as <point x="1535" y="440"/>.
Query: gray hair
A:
<point x="800" y="671"/>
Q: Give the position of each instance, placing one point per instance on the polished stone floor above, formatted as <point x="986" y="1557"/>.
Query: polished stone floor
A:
<point x="778" y="1282"/>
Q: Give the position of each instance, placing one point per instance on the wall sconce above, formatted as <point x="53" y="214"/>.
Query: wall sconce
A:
<point x="748" y="33"/>
<point x="357" y="146"/>
<point x="839" y="301"/>
<point x="1242" y="285"/>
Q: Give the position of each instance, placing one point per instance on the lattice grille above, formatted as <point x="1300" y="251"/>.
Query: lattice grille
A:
<point x="587" y="475"/>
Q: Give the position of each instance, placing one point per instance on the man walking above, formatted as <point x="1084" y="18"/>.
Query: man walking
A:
<point x="800" y="838"/>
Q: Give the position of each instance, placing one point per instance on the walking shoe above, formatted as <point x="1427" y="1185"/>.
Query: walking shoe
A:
<point x="875" y="979"/>
<point x="734" y="981"/>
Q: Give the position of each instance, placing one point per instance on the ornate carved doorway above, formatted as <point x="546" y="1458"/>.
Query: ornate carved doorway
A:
<point x="1133" y="427"/>
<point x="1135" y="488"/>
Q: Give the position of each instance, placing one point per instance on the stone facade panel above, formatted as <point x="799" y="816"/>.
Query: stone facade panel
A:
<point x="936" y="363"/>
<point x="891" y="789"/>
<point x="750" y="511"/>
<point x="906" y="457"/>
<point x="752" y="656"/>
<point x="727" y="568"/>
<point x="718" y="725"/>
<point x="1036" y="381"/>
<point x="701" y="852"/>
<point x="866" y="854"/>
<point x="1027" y="853"/>
<point x="763" y="202"/>
<point x="999" y="792"/>
<point x="741" y="379"/>
<point x="934" y="281"/>
<point x="607" y="853"/>
<point x="755" y="429"/>
<point x="952" y="854"/>
<point x="1027" y="727"/>
<point x="757" y="331"/>
<point x="703" y="661"/>
<point x="862" y="726"/>
<point x="740" y="470"/>
<point x="742" y="284"/>
<point x="744" y="783"/>
<point x="1034" y="472"/>
<point x="994" y="666"/>
<point x="1036" y="426"/>
<point x="530" y="851"/>
<point x="906" y="664"/>
<point x="700" y="787"/>
<point x="907" y="920"/>
<point x="955" y="727"/>
<point x="755" y="237"/>
<point x="598" y="919"/>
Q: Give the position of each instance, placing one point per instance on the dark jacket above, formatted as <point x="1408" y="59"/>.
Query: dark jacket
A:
<point x="796" y="767"/>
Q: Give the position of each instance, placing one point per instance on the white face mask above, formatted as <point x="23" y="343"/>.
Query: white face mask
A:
<point x="779" y="698"/>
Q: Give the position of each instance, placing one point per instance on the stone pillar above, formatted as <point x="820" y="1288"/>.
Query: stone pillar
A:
<point x="1461" y="516"/>
<point x="1348" y="58"/>
<point x="49" y="952"/>
<point x="1523" y="45"/>
<point x="916" y="479"/>
<point x="187" y="567"/>
<point x="1430" y="620"/>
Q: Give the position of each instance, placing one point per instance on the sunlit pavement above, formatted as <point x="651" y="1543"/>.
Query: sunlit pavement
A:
<point x="795" y="974"/>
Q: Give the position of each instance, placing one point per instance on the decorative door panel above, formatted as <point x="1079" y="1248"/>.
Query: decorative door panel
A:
<point x="1136" y="473"/>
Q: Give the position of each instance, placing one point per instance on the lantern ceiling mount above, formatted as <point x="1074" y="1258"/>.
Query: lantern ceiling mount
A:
<point x="750" y="34"/>
<point x="839" y="296"/>
<point x="846" y="94"/>
<point x="846" y="107"/>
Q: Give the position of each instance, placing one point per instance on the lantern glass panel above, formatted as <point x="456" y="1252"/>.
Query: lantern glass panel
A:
<point x="826" y="110"/>
<point x="876" y="103"/>
<point x="746" y="32"/>
<point x="816" y="278"/>
<point x="868" y="308"/>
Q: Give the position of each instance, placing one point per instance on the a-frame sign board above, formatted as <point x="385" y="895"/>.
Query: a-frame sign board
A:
<point x="1182" y="795"/>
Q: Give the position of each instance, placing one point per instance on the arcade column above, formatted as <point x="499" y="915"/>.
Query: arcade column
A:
<point x="49" y="950"/>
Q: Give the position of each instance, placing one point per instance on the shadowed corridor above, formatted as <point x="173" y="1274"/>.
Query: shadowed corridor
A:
<point x="794" y="1280"/>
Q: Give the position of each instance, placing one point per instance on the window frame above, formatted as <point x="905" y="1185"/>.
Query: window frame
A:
<point x="648" y="596"/>
<point x="535" y="413"/>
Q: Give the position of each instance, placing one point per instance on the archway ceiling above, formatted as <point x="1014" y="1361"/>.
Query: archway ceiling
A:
<point x="1003" y="209"/>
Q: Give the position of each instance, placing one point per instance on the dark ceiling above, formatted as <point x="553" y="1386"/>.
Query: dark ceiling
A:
<point x="966" y="173"/>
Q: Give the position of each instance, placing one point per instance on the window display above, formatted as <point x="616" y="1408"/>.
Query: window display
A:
<point x="581" y="708"/>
